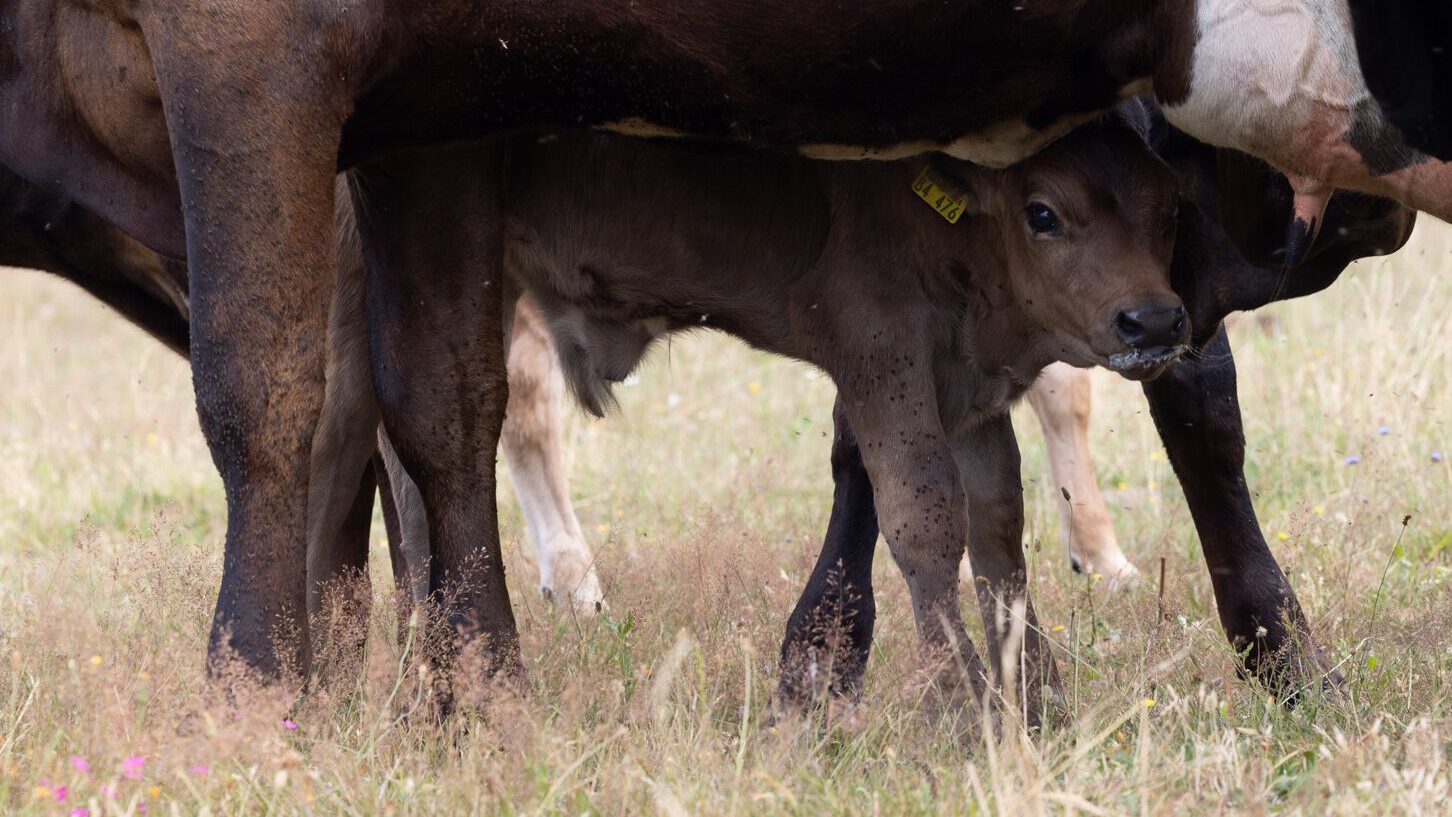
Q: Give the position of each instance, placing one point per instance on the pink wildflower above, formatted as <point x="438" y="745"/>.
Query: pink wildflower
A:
<point x="131" y="767"/>
<point x="79" y="812"/>
<point x="60" y="794"/>
<point x="108" y="791"/>
<point x="198" y="769"/>
<point x="288" y="722"/>
<point x="79" y="764"/>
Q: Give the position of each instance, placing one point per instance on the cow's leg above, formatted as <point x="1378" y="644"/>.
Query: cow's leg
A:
<point x="340" y="597"/>
<point x="256" y="172"/>
<point x="1062" y="397"/>
<point x="1197" y="412"/>
<point x="533" y="444"/>
<point x="436" y="326"/>
<point x="406" y="591"/>
<point x="408" y="541"/>
<point x="339" y="510"/>
<point x="988" y="460"/>
<point x="921" y="507"/>
<point x="829" y="633"/>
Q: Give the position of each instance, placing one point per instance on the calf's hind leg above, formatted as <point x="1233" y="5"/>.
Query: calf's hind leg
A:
<point x="436" y="334"/>
<point x="533" y="445"/>
<point x="829" y="633"/>
<point x="1197" y="412"/>
<point x="1061" y="398"/>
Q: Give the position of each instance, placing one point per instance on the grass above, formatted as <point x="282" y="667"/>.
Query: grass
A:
<point x="706" y="500"/>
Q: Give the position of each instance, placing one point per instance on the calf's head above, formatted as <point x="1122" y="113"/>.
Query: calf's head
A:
<point x="1087" y="228"/>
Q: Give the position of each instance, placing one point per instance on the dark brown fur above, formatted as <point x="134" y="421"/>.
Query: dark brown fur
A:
<point x="49" y="232"/>
<point x="264" y="101"/>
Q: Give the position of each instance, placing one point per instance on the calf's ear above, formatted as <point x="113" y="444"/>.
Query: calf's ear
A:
<point x="985" y="189"/>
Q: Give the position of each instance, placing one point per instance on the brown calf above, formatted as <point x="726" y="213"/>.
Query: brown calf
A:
<point x="1228" y="235"/>
<point x="930" y="339"/>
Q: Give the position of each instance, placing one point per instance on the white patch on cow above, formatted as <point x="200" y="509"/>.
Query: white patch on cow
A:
<point x="635" y="126"/>
<point x="997" y="146"/>
<point x="1276" y="78"/>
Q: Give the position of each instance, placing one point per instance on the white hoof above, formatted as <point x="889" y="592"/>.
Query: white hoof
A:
<point x="573" y="577"/>
<point x="1113" y="571"/>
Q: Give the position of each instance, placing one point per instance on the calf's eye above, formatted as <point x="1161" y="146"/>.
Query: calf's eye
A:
<point x="1041" y="220"/>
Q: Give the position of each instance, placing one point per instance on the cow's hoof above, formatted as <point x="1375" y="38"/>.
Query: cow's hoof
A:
<point x="1296" y="673"/>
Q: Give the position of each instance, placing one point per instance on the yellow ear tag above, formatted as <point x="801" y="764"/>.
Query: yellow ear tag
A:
<point x="941" y="195"/>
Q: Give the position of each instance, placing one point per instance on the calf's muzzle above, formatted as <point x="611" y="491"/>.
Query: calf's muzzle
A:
<point x="1151" y="325"/>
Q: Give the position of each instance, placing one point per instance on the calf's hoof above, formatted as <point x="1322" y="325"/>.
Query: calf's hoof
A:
<point x="1117" y="572"/>
<point x="572" y="580"/>
<point x="817" y="675"/>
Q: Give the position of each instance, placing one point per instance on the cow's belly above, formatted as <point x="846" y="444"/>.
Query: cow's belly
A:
<point x="106" y="71"/>
<point x="997" y="145"/>
<point x="82" y="119"/>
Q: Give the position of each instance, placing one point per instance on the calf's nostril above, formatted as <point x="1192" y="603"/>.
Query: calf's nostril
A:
<point x="1128" y="326"/>
<point x="1179" y="327"/>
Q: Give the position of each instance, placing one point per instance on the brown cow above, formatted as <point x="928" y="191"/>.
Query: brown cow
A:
<point x="265" y="101"/>
<point x="44" y="231"/>
<point x="66" y="236"/>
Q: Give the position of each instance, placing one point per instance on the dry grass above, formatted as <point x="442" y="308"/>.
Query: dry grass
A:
<point x="706" y="501"/>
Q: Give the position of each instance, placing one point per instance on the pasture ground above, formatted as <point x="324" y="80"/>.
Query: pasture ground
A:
<point x="706" y="498"/>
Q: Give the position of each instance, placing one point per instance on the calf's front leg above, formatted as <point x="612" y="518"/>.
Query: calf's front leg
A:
<point x="1061" y="398"/>
<point x="1023" y="665"/>
<point x="921" y="508"/>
